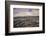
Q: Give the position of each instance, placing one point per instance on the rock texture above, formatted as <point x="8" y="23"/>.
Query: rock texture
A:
<point x="26" y="21"/>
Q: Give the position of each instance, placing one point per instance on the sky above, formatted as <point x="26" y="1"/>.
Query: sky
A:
<point x="25" y="12"/>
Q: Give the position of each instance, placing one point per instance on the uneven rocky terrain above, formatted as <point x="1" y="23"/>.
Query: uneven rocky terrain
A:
<point x="26" y="21"/>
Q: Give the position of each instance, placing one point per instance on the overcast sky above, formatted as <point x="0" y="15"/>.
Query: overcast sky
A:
<point x="25" y="12"/>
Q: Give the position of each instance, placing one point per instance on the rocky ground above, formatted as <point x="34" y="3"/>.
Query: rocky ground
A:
<point x="27" y="21"/>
